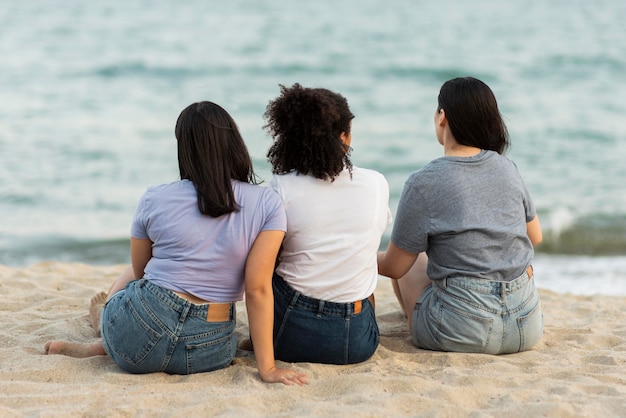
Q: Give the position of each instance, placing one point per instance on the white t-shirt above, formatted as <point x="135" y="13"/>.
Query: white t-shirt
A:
<point x="333" y="233"/>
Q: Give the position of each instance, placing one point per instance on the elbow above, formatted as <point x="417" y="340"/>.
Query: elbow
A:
<point x="536" y="236"/>
<point x="259" y="295"/>
<point x="393" y="275"/>
<point x="537" y="240"/>
<point x="390" y="271"/>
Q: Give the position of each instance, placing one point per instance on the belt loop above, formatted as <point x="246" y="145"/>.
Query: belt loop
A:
<point x="443" y="282"/>
<point x="294" y="299"/>
<point x="320" y="308"/>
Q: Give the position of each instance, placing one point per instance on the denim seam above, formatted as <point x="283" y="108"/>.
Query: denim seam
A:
<point x="469" y="303"/>
<point x="141" y="355"/>
<point x="346" y="345"/>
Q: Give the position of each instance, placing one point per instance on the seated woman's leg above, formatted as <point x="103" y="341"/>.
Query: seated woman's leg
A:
<point x="79" y="350"/>
<point x="409" y="287"/>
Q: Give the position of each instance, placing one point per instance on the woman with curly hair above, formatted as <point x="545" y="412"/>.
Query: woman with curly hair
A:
<point x="326" y="272"/>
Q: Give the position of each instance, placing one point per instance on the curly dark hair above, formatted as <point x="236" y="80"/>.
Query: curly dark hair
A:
<point x="306" y="125"/>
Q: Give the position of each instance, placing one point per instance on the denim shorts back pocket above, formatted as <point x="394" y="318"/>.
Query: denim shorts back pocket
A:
<point x="463" y="331"/>
<point x="444" y="322"/>
<point x="211" y="354"/>
<point x="128" y="336"/>
<point x="530" y="327"/>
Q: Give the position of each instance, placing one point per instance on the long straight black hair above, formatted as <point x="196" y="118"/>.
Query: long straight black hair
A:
<point x="211" y="153"/>
<point x="473" y="115"/>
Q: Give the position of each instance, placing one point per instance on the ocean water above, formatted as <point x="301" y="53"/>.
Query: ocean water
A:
<point x="90" y="92"/>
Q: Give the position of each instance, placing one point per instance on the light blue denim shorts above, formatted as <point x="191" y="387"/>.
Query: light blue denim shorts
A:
<point x="146" y="329"/>
<point x="471" y="315"/>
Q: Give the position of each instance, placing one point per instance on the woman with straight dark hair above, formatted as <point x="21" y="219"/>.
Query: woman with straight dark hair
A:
<point x="196" y="245"/>
<point x="462" y="242"/>
<point x="336" y="214"/>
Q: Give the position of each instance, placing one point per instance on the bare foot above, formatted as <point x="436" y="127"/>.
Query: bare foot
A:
<point x="80" y="350"/>
<point x="95" y="310"/>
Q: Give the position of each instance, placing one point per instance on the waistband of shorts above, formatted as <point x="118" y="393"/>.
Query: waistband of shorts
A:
<point x="295" y="298"/>
<point x="487" y="286"/>
<point x="211" y="311"/>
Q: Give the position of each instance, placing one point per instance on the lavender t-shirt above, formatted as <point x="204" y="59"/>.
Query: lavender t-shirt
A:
<point x="199" y="254"/>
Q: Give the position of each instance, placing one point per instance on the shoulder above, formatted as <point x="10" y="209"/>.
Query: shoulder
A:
<point x="167" y="189"/>
<point x="179" y="184"/>
<point x="368" y="173"/>
<point x="256" y="192"/>
<point x="287" y="177"/>
<point x="502" y="161"/>
<point x="291" y="181"/>
<point x="429" y="170"/>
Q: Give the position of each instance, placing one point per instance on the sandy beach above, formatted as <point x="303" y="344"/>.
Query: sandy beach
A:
<point x="578" y="369"/>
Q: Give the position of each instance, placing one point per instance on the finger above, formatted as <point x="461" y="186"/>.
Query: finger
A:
<point x="299" y="379"/>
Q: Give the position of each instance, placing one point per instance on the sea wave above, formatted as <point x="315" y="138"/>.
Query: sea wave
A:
<point x="97" y="252"/>
<point x="595" y="235"/>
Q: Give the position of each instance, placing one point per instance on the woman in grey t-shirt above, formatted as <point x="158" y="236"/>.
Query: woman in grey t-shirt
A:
<point x="462" y="242"/>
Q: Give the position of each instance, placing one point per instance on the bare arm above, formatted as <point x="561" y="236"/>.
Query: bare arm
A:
<point x="260" y="306"/>
<point x="395" y="262"/>
<point x="140" y="254"/>
<point x="533" y="229"/>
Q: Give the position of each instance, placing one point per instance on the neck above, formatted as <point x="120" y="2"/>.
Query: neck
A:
<point x="461" y="151"/>
<point x="451" y="148"/>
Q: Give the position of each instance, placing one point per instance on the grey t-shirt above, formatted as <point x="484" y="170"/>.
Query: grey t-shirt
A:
<point x="469" y="215"/>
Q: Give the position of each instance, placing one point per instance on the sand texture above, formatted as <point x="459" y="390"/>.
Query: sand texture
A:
<point x="578" y="369"/>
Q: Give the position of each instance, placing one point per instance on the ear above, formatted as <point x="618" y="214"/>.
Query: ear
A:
<point x="441" y="118"/>
<point x="346" y="139"/>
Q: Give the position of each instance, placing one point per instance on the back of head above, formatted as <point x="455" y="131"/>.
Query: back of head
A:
<point x="306" y="124"/>
<point x="211" y="153"/>
<point x="472" y="113"/>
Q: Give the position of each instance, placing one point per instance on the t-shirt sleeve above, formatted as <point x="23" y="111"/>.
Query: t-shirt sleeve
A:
<point x="276" y="219"/>
<point x="529" y="205"/>
<point x="138" y="228"/>
<point x="409" y="229"/>
<point x="385" y="199"/>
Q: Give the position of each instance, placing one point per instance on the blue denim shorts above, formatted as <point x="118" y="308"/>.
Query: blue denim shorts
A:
<point x="146" y="329"/>
<point x="472" y="315"/>
<point x="316" y="331"/>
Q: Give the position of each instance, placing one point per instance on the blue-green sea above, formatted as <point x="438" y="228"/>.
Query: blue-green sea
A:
<point x="90" y="93"/>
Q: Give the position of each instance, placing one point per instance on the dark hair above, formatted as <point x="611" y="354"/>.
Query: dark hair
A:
<point x="306" y="125"/>
<point x="472" y="113"/>
<point x="211" y="153"/>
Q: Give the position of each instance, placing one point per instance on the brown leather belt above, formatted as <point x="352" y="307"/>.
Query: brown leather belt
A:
<point x="216" y="311"/>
